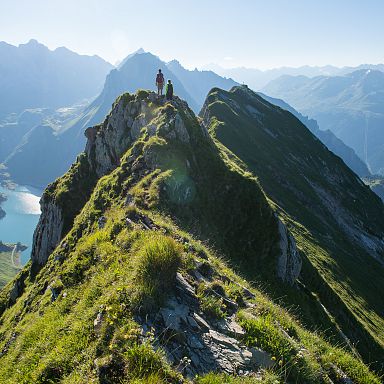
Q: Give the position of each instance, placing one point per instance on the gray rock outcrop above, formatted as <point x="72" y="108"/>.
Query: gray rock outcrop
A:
<point x="197" y="344"/>
<point x="48" y="232"/>
<point x="289" y="261"/>
<point x="106" y="143"/>
<point x="112" y="138"/>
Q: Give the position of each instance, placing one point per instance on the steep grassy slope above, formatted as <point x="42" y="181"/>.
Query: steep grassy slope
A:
<point x="337" y="221"/>
<point x="7" y="270"/>
<point x="326" y="137"/>
<point x="128" y="296"/>
<point x="351" y="106"/>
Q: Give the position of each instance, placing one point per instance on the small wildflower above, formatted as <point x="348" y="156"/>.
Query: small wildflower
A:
<point x="273" y="358"/>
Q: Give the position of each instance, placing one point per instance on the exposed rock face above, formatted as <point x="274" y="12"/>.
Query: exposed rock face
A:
<point x="197" y="344"/>
<point x="176" y="130"/>
<point x="289" y="262"/>
<point x="358" y="232"/>
<point x="48" y="232"/>
<point x="61" y="202"/>
<point x="111" y="140"/>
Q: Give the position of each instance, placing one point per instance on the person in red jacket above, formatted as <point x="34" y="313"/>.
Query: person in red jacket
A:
<point x="160" y="83"/>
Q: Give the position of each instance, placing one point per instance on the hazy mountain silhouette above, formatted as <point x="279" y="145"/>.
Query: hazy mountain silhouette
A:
<point x="32" y="76"/>
<point x="257" y="79"/>
<point x="41" y="134"/>
<point x="62" y="144"/>
<point x="351" y="106"/>
<point x="328" y="138"/>
<point x="199" y="83"/>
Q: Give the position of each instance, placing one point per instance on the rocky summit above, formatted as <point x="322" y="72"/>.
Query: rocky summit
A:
<point x="147" y="265"/>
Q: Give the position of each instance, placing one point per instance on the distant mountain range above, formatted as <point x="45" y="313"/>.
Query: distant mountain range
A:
<point x="32" y="76"/>
<point x="328" y="138"/>
<point x="199" y="83"/>
<point x="27" y="140"/>
<point x="257" y="79"/>
<point x="26" y="154"/>
<point x="351" y="106"/>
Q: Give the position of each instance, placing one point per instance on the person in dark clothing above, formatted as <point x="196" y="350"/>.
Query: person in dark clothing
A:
<point x="169" y="90"/>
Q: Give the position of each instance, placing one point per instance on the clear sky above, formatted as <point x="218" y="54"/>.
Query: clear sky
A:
<point x="253" y="33"/>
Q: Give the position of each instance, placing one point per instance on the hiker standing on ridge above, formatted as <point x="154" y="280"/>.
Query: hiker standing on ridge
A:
<point x="169" y="90"/>
<point x="160" y="83"/>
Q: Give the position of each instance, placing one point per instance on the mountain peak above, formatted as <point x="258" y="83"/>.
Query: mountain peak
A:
<point x="138" y="71"/>
<point x="32" y="43"/>
<point x="174" y="63"/>
<point x="140" y="51"/>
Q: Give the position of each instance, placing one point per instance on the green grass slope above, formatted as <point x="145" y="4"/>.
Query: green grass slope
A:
<point x="82" y="318"/>
<point x="338" y="222"/>
<point x="7" y="270"/>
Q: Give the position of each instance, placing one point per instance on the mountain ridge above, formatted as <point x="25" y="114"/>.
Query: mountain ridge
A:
<point x="326" y="206"/>
<point x="63" y="145"/>
<point x="34" y="76"/>
<point x="350" y="106"/>
<point x="327" y="137"/>
<point x="22" y="140"/>
<point x="258" y="79"/>
<point x="132" y="281"/>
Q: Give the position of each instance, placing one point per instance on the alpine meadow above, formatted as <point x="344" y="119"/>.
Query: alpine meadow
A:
<point x="191" y="193"/>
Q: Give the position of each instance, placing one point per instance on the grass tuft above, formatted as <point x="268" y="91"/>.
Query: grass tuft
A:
<point x="268" y="377"/>
<point x="147" y="365"/>
<point x="158" y="258"/>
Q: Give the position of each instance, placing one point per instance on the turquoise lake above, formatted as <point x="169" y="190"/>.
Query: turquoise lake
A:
<point x="22" y="214"/>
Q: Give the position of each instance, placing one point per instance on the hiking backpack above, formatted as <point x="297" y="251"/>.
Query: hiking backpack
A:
<point x="159" y="78"/>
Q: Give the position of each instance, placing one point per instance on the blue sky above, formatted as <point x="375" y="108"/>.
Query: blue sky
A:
<point x="253" y="33"/>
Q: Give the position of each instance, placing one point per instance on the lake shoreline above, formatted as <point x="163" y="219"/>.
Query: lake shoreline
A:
<point x="15" y="250"/>
<point x="22" y="214"/>
<point x="8" y="247"/>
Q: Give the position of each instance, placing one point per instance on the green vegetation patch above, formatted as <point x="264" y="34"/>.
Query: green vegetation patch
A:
<point x="157" y="259"/>
<point x="7" y="270"/>
<point x="300" y="356"/>
<point x="265" y="377"/>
